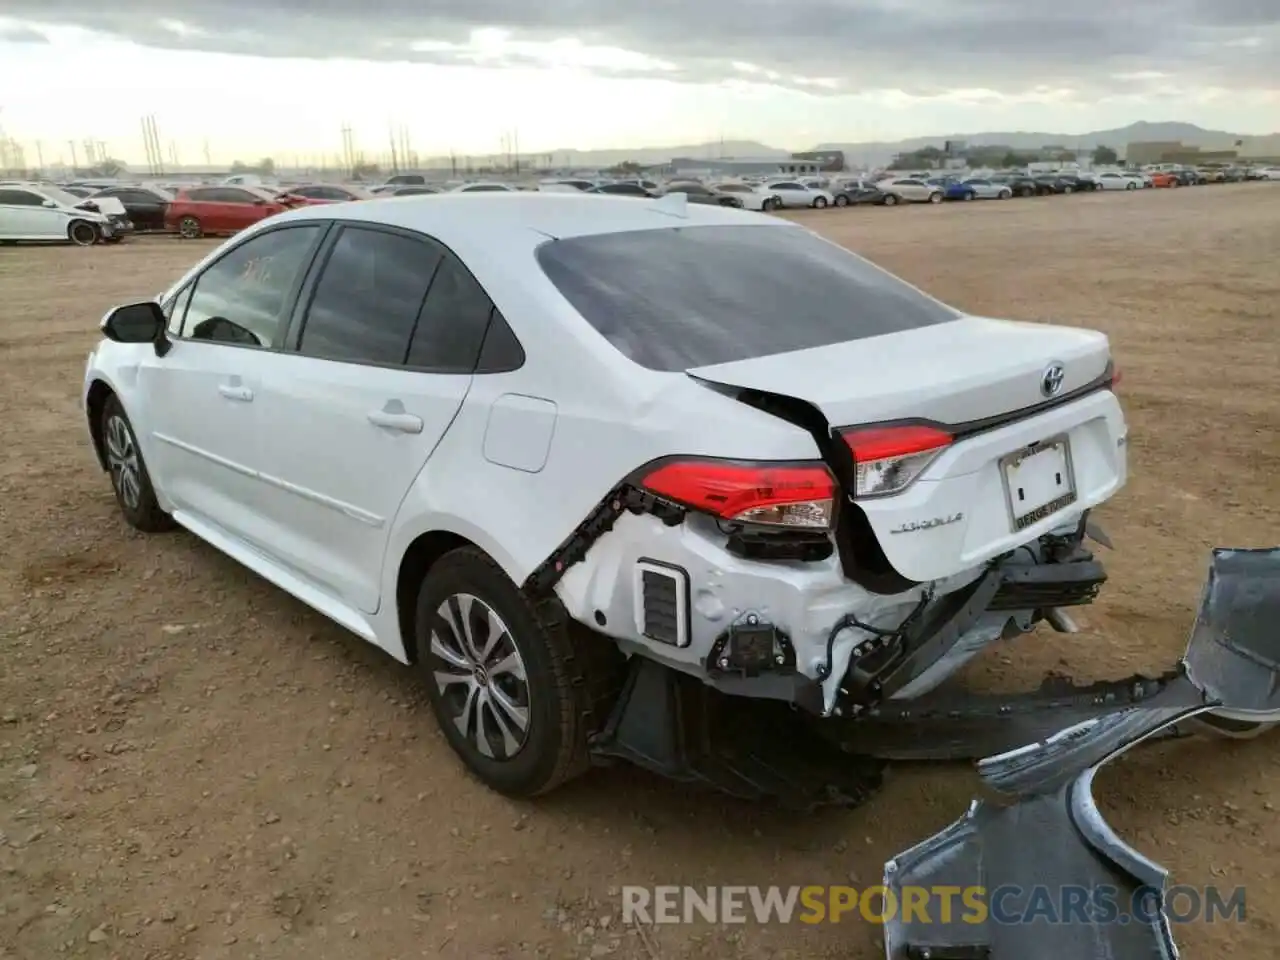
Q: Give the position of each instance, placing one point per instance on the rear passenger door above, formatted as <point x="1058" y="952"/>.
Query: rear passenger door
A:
<point x="379" y="360"/>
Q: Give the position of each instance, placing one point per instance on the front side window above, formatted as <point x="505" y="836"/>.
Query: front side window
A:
<point x="368" y="298"/>
<point x="681" y="297"/>
<point x="244" y="298"/>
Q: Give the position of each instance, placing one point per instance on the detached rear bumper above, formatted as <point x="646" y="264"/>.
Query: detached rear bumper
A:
<point x="1045" y="876"/>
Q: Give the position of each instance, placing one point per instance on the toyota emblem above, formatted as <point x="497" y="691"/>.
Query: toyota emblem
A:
<point x="1051" y="379"/>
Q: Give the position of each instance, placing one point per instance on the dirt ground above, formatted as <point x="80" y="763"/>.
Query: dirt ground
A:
<point x="192" y="764"/>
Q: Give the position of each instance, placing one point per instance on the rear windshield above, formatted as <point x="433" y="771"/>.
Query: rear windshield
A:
<point x="686" y="297"/>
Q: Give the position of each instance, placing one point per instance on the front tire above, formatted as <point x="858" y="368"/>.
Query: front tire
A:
<point x="935" y="198"/>
<point x="509" y="689"/>
<point x="819" y="203"/>
<point x="890" y="200"/>
<point x="130" y="479"/>
<point x="82" y="233"/>
<point x="189" y="228"/>
<point x="842" y="201"/>
<point x="1006" y="194"/>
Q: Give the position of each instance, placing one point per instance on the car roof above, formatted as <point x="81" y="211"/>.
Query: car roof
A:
<point x="447" y="216"/>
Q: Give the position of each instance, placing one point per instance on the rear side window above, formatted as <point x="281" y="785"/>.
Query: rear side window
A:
<point x="367" y="300"/>
<point x="453" y="321"/>
<point x="684" y="297"/>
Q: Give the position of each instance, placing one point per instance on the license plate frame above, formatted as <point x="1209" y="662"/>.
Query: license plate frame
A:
<point x="1049" y="493"/>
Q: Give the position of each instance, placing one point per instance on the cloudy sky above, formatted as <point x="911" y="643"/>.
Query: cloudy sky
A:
<point x="280" y="77"/>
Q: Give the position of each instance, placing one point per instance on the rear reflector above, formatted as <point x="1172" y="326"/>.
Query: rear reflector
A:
<point x="794" y="495"/>
<point x="888" y="459"/>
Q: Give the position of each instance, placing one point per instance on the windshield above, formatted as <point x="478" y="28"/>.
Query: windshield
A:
<point x="683" y="297"/>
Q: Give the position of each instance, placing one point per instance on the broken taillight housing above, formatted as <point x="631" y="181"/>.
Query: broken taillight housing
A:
<point x="888" y="459"/>
<point x="797" y="495"/>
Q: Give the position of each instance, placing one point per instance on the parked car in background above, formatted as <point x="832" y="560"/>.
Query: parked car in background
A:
<point x="1164" y="178"/>
<point x="952" y="189"/>
<point x="1020" y="184"/>
<point x="319" y="193"/>
<point x="1265" y="173"/>
<point x="485" y="188"/>
<point x="1188" y="177"/>
<point x="38" y="212"/>
<point x="81" y="192"/>
<point x="752" y="197"/>
<point x="114" y="211"/>
<point x="621" y="190"/>
<point x="1211" y="175"/>
<point x="144" y="204"/>
<point x="566" y="184"/>
<point x="855" y="195"/>
<point x="795" y="195"/>
<point x="701" y="193"/>
<point x="409" y="191"/>
<point x="985" y="189"/>
<point x="1116" y="181"/>
<point x="1077" y="183"/>
<point x="209" y="211"/>
<point x="909" y="190"/>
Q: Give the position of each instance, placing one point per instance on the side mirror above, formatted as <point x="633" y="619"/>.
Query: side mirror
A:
<point x="137" y="323"/>
<point x="49" y="203"/>
<point x="259" y="202"/>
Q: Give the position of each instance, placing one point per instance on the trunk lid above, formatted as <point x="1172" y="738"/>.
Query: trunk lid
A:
<point x="951" y="373"/>
<point x="1019" y="466"/>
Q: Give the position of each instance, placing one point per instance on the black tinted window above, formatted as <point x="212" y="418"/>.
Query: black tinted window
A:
<point x="685" y="297"/>
<point x="245" y="297"/>
<point x="205" y="195"/>
<point x="368" y="298"/>
<point x="21" y="198"/>
<point x="489" y="188"/>
<point x="453" y="321"/>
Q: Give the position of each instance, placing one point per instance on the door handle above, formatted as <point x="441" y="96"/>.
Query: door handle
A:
<point x="404" y="422"/>
<point x="243" y="394"/>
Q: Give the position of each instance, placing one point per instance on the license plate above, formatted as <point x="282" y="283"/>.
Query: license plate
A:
<point x="1038" y="481"/>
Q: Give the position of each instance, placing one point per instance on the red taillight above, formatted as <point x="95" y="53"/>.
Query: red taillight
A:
<point x="792" y="495"/>
<point x="888" y="459"/>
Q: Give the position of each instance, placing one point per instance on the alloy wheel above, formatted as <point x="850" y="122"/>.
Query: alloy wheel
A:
<point x="481" y="677"/>
<point x="122" y="461"/>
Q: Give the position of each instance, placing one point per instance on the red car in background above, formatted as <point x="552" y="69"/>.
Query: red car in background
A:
<point x="205" y="211"/>
<point x="318" y="193"/>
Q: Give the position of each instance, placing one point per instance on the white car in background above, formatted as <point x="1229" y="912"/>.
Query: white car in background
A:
<point x="1140" y="177"/>
<point x="752" y="197"/>
<point x="795" y="195"/>
<point x="40" y="212"/>
<point x="909" y="190"/>
<point x="491" y="188"/>
<point x="984" y="189"/>
<point x="1117" y="181"/>
<point x="1267" y="173"/>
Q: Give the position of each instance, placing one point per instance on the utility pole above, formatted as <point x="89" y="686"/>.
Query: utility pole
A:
<point x="75" y="162"/>
<point x="40" y="155"/>
<point x="208" y="158"/>
<point x="395" y="163"/>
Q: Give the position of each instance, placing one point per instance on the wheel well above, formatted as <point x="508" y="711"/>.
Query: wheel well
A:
<point x="418" y="559"/>
<point x="95" y="403"/>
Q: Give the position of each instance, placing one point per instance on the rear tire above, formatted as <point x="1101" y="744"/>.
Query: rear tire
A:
<point x="130" y="479"/>
<point x="969" y="196"/>
<point x="1006" y="194"/>
<point x="189" y="228"/>
<point x="842" y="201"/>
<point x="510" y="685"/>
<point x="82" y="233"/>
<point x="890" y="199"/>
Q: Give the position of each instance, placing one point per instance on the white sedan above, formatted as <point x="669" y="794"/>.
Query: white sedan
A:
<point x="1117" y="181"/>
<point x="39" y="212"/>
<point x="752" y="197"/>
<point x="984" y="189"/>
<point x="530" y="442"/>
<point x="794" y="194"/>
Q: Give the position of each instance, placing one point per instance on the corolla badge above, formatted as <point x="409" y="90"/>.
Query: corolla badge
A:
<point x="1051" y="379"/>
<point x="915" y="526"/>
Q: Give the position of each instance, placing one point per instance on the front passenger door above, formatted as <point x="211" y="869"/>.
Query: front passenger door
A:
<point x="202" y="432"/>
<point x="384" y="358"/>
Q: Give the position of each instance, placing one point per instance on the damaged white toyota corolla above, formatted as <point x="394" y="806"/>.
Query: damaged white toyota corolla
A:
<point x="682" y="485"/>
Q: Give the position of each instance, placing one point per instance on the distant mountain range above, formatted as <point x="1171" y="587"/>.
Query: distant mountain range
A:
<point x="877" y="153"/>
